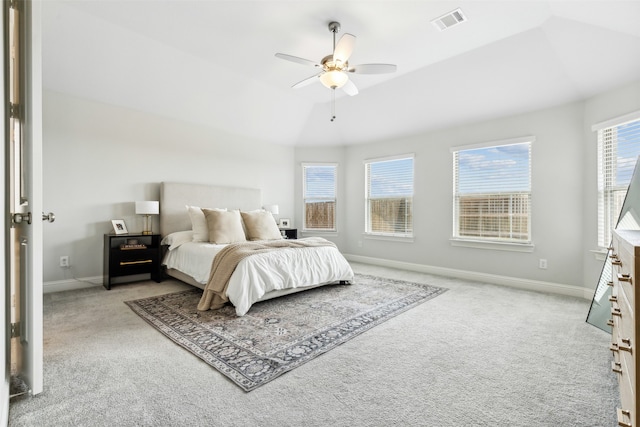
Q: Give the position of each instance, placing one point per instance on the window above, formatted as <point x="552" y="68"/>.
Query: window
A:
<point x="319" y="194"/>
<point x="389" y="196"/>
<point x="492" y="191"/>
<point x="618" y="150"/>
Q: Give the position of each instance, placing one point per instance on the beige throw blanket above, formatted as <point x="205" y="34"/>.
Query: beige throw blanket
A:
<point x="226" y="261"/>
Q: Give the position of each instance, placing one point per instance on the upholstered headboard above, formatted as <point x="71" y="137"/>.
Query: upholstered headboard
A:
<point x="175" y="196"/>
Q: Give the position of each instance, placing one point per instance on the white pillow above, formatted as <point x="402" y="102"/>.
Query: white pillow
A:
<point x="199" y="223"/>
<point x="176" y="239"/>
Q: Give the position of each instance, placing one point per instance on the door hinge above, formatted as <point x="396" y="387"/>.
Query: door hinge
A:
<point x="15" y="330"/>
<point x="19" y="218"/>
<point x="15" y="4"/>
<point x="14" y="110"/>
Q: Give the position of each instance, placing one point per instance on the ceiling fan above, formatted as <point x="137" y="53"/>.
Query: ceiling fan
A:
<point x="336" y="66"/>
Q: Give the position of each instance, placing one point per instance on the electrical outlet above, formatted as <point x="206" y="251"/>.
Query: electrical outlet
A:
<point x="64" y="261"/>
<point x="543" y="264"/>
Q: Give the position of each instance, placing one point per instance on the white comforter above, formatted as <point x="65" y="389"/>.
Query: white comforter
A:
<point x="260" y="274"/>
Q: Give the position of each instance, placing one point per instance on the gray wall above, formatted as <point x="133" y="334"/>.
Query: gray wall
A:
<point x="99" y="159"/>
<point x="564" y="205"/>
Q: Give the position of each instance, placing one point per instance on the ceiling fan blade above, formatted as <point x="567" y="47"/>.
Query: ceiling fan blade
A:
<point x="297" y="59"/>
<point x="345" y="46"/>
<point x="373" y="68"/>
<point x="306" y="81"/>
<point x="350" y="88"/>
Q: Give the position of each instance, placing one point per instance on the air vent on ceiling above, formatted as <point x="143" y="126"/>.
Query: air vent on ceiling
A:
<point x="449" y="20"/>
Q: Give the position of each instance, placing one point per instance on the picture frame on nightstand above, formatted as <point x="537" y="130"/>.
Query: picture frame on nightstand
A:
<point x="284" y="223"/>
<point x="119" y="227"/>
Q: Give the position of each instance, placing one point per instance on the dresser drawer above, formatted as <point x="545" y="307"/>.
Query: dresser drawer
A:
<point x="623" y="320"/>
<point x="623" y="272"/>
<point x="622" y="366"/>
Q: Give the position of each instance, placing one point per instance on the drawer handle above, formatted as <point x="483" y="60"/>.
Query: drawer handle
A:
<point x="624" y="277"/>
<point x="146" y="261"/>
<point x="616" y="262"/>
<point x="610" y="283"/>
<point x="617" y="347"/>
<point x="613" y="298"/>
<point x="625" y="348"/>
<point x="616" y="312"/>
<point x="621" y="414"/>
<point x="613" y="255"/>
<point x="610" y="323"/>
<point x="616" y="367"/>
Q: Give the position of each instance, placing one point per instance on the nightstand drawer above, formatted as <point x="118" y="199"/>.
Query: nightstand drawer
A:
<point x="126" y="257"/>
<point x="126" y="263"/>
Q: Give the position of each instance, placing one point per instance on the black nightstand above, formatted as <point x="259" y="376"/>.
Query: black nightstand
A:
<point x="289" y="233"/>
<point x="123" y="259"/>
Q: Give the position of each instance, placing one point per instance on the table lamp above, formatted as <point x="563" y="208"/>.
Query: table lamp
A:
<point x="147" y="208"/>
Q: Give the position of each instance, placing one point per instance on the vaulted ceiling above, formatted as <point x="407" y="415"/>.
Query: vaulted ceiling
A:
<point x="212" y="62"/>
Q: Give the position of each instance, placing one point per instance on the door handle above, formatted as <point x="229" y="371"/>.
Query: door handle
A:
<point x="48" y="217"/>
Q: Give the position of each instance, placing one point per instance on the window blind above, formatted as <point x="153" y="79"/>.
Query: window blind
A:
<point x="319" y="194"/>
<point x="618" y="151"/>
<point x="492" y="192"/>
<point x="389" y="196"/>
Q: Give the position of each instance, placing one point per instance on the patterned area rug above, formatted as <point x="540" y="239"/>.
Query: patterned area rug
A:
<point x="278" y="335"/>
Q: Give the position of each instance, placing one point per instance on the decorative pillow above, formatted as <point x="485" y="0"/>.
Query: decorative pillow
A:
<point x="260" y="225"/>
<point x="199" y="223"/>
<point x="178" y="238"/>
<point x="224" y="226"/>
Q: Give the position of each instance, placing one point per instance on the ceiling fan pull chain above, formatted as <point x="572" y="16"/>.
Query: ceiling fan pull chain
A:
<point x="333" y="104"/>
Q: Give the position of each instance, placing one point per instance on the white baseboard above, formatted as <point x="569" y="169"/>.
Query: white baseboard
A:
<point x="70" y="284"/>
<point x="514" y="282"/>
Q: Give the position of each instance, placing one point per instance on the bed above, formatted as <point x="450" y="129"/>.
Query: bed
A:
<point x="275" y="268"/>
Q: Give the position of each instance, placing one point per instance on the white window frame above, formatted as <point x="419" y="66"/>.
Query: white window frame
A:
<point x="407" y="236"/>
<point x="306" y="199"/>
<point x="522" y="245"/>
<point x="610" y="195"/>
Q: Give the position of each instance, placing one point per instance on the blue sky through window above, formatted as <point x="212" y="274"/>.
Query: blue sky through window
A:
<point x="391" y="178"/>
<point x="320" y="182"/>
<point x="628" y="150"/>
<point x="498" y="169"/>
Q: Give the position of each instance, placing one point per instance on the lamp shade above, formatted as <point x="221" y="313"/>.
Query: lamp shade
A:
<point x="334" y="79"/>
<point x="147" y="208"/>
<point x="274" y="209"/>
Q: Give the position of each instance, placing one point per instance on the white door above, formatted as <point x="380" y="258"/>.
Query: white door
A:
<point x="4" y="334"/>
<point x="31" y="234"/>
<point x="23" y="149"/>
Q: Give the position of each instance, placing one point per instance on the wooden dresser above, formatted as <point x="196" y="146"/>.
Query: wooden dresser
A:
<point x="625" y="325"/>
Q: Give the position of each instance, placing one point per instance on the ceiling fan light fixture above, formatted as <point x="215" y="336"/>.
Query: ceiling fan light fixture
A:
<point x="334" y="79"/>
<point x="336" y="66"/>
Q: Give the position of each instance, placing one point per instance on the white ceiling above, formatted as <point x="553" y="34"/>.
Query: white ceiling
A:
<point x="212" y="62"/>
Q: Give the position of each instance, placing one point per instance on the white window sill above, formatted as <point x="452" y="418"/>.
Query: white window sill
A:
<point x="320" y="232"/>
<point x="498" y="246"/>
<point x="599" y="254"/>
<point x="371" y="236"/>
